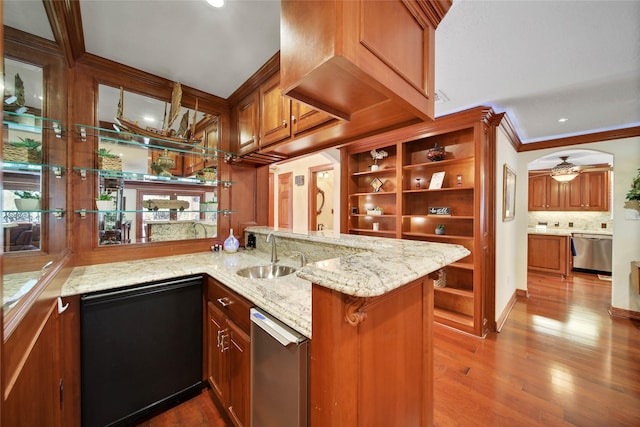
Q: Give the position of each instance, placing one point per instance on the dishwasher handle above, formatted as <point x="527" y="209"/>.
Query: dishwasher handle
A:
<point x="280" y="332"/>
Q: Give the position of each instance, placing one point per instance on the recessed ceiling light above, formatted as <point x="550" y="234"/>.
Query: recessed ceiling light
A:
<point x="215" y="3"/>
<point x="562" y="120"/>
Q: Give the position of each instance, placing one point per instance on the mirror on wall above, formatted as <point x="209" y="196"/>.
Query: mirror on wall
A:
<point x="152" y="187"/>
<point x="25" y="172"/>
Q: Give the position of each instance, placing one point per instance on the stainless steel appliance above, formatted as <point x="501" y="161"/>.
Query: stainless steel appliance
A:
<point x="279" y="373"/>
<point x="592" y="252"/>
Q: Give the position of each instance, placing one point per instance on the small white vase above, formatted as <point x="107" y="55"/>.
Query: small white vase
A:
<point x="374" y="168"/>
<point x="231" y="244"/>
<point x="104" y="205"/>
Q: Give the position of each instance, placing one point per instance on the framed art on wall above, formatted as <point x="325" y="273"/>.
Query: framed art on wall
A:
<point x="508" y="194"/>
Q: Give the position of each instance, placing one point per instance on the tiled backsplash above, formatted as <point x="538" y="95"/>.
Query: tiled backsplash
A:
<point x="581" y="220"/>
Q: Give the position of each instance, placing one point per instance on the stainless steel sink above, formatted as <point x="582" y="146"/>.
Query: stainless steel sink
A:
<point x="270" y="271"/>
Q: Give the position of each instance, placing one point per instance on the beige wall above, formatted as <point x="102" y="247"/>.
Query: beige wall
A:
<point x="301" y="193"/>
<point x="506" y="232"/>
<point x="626" y="231"/>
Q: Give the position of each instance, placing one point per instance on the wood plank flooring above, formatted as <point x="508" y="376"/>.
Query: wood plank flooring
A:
<point x="560" y="360"/>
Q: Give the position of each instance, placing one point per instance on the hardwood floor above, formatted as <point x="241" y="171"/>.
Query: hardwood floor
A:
<point x="560" y="360"/>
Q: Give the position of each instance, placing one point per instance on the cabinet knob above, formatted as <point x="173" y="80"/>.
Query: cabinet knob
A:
<point x="293" y="119"/>
<point x="284" y="124"/>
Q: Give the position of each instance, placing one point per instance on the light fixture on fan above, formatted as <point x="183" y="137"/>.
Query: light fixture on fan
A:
<point x="564" y="171"/>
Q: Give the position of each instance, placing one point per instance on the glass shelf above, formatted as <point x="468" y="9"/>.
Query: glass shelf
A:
<point x="35" y="210"/>
<point x="159" y="143"/>
<point x="31" y="167"/>
<point x="138" y="176"/>
<point x="31" y="123"/>
<point x="223" y="211"/>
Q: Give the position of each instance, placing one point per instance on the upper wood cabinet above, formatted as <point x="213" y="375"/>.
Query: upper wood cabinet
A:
<point x="246" y="113"/>
<point x="544" y="194"/>
<point x="275" y="113"/>
<point x="343" y="57"/>
<point x="589" y="191"/>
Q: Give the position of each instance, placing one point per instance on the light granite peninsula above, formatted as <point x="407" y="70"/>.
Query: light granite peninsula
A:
<point x="370" y="301"/>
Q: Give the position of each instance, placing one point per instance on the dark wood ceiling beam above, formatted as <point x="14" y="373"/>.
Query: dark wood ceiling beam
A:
<point x="66" y="23"/>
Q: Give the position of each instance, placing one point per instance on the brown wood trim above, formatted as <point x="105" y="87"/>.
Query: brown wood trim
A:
<point x="115" y="74"/>
<point x="271" y="67"/>
<point x="66" y="23"/>
<point x="13" y="37"/>
<point x="522" y="293"/>
<point x="443" y="124"/>
<point x="435" y="10"/>
<point x="623" y="313"/>
<point x="507" y="127"/>
<point x="507" y="310"/>
<point x="607" y="135"/>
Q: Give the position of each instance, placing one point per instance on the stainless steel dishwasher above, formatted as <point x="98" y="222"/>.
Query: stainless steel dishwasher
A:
<point x="279" y="373"/>
<point x="592" y="252"/>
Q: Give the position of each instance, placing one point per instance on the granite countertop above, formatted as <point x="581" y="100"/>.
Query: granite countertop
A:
<point x="556" y="231"/>
<point x="379" y="266"/>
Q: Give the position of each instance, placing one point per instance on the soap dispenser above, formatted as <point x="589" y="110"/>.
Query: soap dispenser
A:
<point x="231" y="244"/>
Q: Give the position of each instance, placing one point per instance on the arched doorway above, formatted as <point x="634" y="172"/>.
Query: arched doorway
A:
<point x="577" y="206"/>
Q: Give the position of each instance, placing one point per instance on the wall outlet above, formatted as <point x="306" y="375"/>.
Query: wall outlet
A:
<point x="570" y="224"/>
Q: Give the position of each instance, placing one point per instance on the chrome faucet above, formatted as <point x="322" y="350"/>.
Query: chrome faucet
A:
<point x="195" y="232"/>
<point x="271" y="238"/>
<point x="303" y="258"/>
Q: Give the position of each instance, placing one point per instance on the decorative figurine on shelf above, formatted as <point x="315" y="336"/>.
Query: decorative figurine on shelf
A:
<point x="436" y="153"/>
<point x="440" y="229"/>
<point x="377" y="155"/>
<point x="418" y="185"/>
<point x="231" y="244"/>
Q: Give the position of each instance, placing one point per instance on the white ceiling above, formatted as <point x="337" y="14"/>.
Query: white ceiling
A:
<point x="536" y="60"/>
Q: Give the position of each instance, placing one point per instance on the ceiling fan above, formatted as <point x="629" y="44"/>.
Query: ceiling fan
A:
<point x="566" y="171"/>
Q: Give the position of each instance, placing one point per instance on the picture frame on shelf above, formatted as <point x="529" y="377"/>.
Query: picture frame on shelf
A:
<point x="508" y="194"/>
<point x="436" y="180"/>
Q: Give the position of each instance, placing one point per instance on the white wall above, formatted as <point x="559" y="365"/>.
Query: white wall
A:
<point x="626" y="232"/>
<point x="506" y="232"/>
<point x="301" y="193"/>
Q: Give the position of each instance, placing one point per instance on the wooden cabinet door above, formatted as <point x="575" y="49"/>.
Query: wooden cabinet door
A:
<point x="538" y="193"/>
<point x="275" y="113"/>
<point x="211" y="142"/>
<point x="595" y="191"/>
<point x="545" y="194"/>
<point x="218" y="363"/>
<point x="304" y="117"/>
<point x="239" y="375"/>
<point x="549" y="254"/>
<point x="555" y="194"/>
<point x="248" y="131"/>
<point x="574" y="194"/>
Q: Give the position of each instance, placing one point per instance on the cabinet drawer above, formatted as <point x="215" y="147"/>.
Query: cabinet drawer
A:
<point x="230" y="303"/>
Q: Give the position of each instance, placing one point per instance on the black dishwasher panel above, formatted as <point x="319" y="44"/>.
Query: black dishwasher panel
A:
<point x="141" y="350"/>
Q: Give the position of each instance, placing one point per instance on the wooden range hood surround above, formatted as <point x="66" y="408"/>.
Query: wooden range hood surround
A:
<point x="361" y="60"/>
